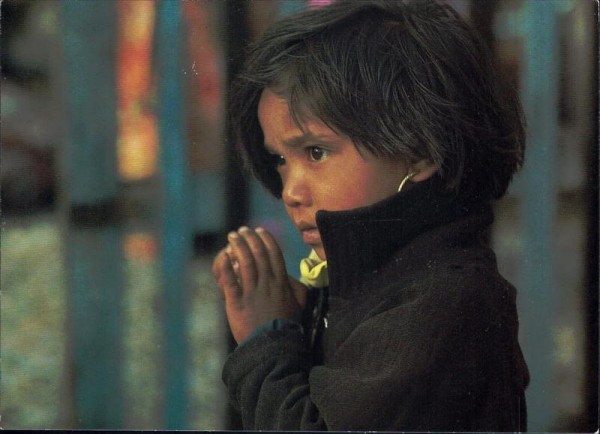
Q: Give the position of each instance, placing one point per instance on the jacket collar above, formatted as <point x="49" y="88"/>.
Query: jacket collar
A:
<point x="360" y="241"/>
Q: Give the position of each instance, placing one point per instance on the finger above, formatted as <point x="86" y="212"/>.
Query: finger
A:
<point x="233" y="259"/>
<point x="218" y="263"/>
<point x="247" y="266"/>
<point x="259" y="251"/>
<point x="230" y="283"/>
<point x="215" y="265"/>
<point x="225" y="276"/>
<point x="276" y="258"/>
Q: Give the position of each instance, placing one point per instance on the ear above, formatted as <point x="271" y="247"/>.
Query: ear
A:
<point x="424" y="169"/>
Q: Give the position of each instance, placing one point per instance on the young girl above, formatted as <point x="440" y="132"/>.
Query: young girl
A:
<point x="382" y="127"/>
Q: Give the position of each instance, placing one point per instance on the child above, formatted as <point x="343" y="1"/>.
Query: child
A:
<point x="382" y="127"/>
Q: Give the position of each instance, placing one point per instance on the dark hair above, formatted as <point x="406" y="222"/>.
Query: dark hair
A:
<point x="402" y="79"/>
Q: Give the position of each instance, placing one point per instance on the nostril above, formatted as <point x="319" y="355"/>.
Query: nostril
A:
<point x="291" y="203"/>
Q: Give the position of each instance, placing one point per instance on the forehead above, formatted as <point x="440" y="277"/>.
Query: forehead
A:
<point x="271" y="107"/>
<point x="281" y="128"/>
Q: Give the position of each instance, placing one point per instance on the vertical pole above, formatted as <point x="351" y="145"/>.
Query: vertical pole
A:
<point x="90" y="44"/>
<point x="92" y="239"/>
<point x="176" y="236"/>
<point x="94" y="259"/>
<point x="540" y="97"/>
<point x="236" y="38"/>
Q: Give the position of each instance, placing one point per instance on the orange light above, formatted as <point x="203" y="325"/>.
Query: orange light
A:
<point x="137" y="143"/>
<point x="140" y="247"/>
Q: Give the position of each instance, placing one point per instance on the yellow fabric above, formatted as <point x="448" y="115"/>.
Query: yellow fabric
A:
<point x="313" y="271"/>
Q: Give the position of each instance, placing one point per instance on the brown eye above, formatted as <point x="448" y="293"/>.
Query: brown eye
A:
<point x="316" y="153"/>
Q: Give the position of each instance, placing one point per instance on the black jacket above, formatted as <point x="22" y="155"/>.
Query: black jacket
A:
<point x="421" y="330"/>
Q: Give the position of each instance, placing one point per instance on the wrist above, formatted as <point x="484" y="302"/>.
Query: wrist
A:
<point x="272" y="325"/>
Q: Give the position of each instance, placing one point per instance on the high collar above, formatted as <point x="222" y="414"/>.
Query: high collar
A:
<point x="358" y="242"/>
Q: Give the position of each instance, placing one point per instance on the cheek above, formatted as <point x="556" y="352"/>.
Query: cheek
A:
<point x="339" y="194"/>
<point x="356" y="196"/>
<point x="361" y="188"/>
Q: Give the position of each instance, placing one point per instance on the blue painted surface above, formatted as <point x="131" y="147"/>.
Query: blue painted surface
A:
<point x="93" y="254"/>
<point x="90" y="51"/>
<point x="539" y="293"/>
<point x="176" y="242"/>
<point x="95" y="281"/>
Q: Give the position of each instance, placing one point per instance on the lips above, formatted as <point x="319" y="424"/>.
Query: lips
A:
<point x="311" y="236"/>
<point x="310" y="233"/>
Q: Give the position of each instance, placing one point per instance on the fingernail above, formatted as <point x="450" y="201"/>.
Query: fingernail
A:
<point x="260" y="229"/>
<point x="232" y="235"/>
<point x="244" y="229"/>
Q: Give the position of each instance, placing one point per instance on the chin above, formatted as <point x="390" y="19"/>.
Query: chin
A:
<point x="320" y="252"/>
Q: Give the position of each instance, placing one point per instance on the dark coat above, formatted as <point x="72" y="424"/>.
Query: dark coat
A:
<point x="421" y="330"/>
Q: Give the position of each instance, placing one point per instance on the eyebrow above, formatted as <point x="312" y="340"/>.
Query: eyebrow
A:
<point x="298" y="141"/>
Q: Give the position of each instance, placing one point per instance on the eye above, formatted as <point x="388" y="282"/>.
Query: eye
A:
<point x="315" y="153"/>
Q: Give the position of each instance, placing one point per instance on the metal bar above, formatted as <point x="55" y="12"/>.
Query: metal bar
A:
<point x="237" y="38"/>
<point x="90" y="50"/>
<point x="176" y="239"/>
<point x="539" y="205"/>
<point x="95" y="326"/>
<point x="92" y="241"/>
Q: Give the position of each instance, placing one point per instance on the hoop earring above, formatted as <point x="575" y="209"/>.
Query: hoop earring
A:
<point x="406" y="178"/>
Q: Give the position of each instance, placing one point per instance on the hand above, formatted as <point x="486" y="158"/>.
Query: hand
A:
<point x="252" y="277"/>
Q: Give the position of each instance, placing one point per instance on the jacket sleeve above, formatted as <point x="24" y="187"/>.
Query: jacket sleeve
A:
<point x="426" y="365"/>
<point x="268" y="383"/>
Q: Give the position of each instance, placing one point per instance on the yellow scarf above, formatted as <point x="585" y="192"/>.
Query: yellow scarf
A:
<point x="313" y="271"/>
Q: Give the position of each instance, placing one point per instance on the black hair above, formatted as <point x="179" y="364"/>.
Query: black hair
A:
<point x="405" y="80"/>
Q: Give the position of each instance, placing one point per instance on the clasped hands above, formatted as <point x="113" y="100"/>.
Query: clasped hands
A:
<point x="252" y="278"/>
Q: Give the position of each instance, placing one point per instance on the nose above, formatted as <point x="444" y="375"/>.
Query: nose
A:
<point x="296" y="191"/>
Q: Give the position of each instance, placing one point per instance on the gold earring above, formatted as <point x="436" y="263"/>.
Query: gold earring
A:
<point x="406" y="178"/>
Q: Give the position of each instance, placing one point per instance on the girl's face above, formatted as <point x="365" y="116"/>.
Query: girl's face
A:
<point x="321" y="170"/>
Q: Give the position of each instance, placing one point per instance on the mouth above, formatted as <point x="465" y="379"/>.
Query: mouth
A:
<point x="310" y="233"/>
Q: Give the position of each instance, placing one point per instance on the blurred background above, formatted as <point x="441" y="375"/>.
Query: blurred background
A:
<point x="119" y="185"/>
